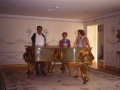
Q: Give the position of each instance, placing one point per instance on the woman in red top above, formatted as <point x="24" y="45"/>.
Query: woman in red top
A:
<point x="64" y="42"/>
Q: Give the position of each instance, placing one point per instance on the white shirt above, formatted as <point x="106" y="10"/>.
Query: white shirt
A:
<point x="80" y="41"/>
<point x="39" y="40"/>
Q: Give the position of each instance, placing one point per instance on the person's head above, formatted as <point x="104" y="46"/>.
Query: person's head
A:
<point x="81" y="33"/>
<point x="64" y="34"/>
<point x="39" y="29"/>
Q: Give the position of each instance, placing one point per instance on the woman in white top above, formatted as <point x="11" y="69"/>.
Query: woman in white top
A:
<point x="81" y="41"/>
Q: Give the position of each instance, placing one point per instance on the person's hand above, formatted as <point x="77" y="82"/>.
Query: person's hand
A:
<point x="77" y="38"/>
<point x="74" y="44"/>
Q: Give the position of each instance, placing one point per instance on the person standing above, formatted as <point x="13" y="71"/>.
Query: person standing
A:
<point x="81" y="41"/>
<point x="40" y="40"/>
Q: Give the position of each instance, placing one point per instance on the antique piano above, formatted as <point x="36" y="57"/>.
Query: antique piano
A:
<point x="49" y="54"/>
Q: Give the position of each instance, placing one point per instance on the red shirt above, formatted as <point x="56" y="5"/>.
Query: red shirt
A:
<point x="63" y="43"/>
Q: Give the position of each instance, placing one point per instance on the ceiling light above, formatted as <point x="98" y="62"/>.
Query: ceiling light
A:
<point x="56" y="7"/>
<point x="52" y="9"/>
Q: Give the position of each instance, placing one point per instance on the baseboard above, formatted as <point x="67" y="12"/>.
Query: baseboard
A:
<point x="110" y="67"/>
<point x="13" y="66"/>
<point x="23" y="66"/>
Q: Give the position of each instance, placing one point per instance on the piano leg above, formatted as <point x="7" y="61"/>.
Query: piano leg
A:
<point x="68" y="67"/>
<point x="63" y="68"/>
<point x="48" y="68"/>
<point x="30" y="69"/>
<point x="83" y="69"/>
<point x="53" y="66"/>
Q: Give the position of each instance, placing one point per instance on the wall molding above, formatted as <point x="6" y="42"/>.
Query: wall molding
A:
<point x="39" y="18"/>
<point x="111" y="67"/>
<point x="18" y="41"/>
<point x="60" y="19"/>
<point x="23" y="41"/>
<point x="102" y="17"/>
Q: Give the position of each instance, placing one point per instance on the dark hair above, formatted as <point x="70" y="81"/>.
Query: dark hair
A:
<point x="64" y="33"/>
<point x="81" y="32"/>
<point x="39" y="27"/>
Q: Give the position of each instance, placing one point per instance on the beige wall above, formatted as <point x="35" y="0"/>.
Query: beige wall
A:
<point x="14" y="35"/>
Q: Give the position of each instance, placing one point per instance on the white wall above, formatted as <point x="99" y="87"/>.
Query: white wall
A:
<point x="110" y="41"/>
<point x="14" y="35"/>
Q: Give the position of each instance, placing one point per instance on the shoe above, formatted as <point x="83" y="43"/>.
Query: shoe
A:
<point x="75" y="76"/>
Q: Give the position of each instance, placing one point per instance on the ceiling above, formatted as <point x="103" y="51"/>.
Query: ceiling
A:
<point x="63" y="9"/>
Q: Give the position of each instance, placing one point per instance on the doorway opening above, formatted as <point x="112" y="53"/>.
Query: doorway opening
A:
<point x="100" y="42"/>
<point x="92" y="34"/>
<point x="95" y="34"/>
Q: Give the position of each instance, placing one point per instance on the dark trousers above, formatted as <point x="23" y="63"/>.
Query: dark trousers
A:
<point x="42" y="66"/>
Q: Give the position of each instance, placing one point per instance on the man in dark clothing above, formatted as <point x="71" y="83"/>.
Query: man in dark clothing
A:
<point x="39" y="39"/>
